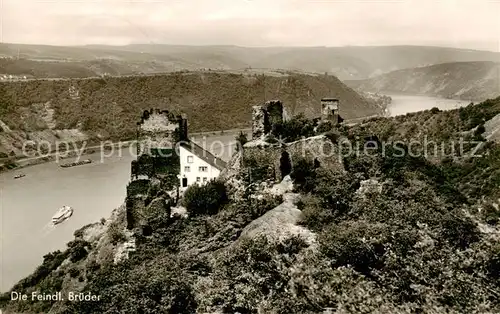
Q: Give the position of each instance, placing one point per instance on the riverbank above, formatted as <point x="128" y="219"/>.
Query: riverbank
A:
<point x="57" y="156"/>
<point x="79" y="152"/>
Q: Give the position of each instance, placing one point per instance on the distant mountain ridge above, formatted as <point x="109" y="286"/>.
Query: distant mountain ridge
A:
<point x="352" y="62"/>
<point x="458" y="80"/>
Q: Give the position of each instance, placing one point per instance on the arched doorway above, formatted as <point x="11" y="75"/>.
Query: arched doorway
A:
<point x="285" y="164"/>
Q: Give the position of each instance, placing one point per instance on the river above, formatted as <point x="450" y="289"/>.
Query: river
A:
<point x="402" y="104"/>
<point x="94" y="190"/>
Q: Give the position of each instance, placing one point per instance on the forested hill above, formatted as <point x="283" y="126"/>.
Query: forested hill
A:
<point x="458" y="80"/>
<point x="109" y="107"/>
<point x="388" y="231"/>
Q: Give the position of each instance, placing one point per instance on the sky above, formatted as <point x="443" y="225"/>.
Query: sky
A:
<point x="473" y="24"/>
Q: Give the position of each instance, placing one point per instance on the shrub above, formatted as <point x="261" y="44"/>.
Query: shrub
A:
<point x="241" y="140"/>
<point x="258" y="165"/>
<point x="303" y="174"/>
<point x="74" y="272"/>
<point x="294" y="128"/>
<point x="333" y="136"/>
<point x="314" y="215"/>
<point x="205" y="199"/>
<point x="324" y="127"/>
<point x="490" y="214"/>
<point x="115" y="234"/>
<point x="478" y="133"/>
<point x="459" y="231"/>
<point x="77" y="250"/>
<point x="358" y="244"/>
<point x="435" y="110"/>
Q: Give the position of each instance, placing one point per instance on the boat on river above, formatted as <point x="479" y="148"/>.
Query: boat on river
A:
<point x="77" y="163"/>
<point x="62" y="214"/>
<point x="21" y="175"/>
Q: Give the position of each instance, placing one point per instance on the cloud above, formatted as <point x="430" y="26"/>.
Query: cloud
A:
<point x="252" y="22"/>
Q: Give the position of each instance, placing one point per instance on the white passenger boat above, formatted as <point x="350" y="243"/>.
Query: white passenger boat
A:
<point x="62" y="214"/>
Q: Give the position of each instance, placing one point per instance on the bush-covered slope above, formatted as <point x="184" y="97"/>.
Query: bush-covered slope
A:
<point x="462" y="80"/>
<point x="390" y="235"/>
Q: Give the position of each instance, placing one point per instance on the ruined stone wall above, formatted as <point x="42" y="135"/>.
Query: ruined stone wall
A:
<point x="137" y="191"/>
<point x="261" y="163"/>
<point x="265" y="162"/>
<point x="258" y="122"/>
<point x="319" y="148"/>
<point x="138" y="188"/>
<point x="161" y="129"/>
<point x="135" y="207"/>
<point x="274" y="110"/>
<point x="265" y="116"/>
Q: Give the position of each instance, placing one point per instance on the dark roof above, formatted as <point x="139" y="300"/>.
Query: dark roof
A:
<point x="203" y="154"/>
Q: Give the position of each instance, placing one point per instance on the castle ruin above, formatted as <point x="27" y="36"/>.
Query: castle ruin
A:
<point x="275" y="161"/>
<point x="156" y="167"/>
<point x="330" y="110"/>
<point x="265" y="116"/>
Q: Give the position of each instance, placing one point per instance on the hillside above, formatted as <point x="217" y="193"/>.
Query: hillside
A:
<point x="462" y="80"/>
<point x="350" y="62"/>
<point x="368" y="233"/>
<point x="107" y="108"/>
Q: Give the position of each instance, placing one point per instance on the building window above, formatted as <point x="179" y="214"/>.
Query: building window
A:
<point x="184" y="182"/>
<point x="198" y="179"/>
<point x="203" y="169"/>
<point x="187" y="169"/>
<point x="205" y="179"/>
<point x="190" y="159"/>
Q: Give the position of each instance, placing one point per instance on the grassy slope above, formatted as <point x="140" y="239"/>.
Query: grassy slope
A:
<point x="412" y="248"/>
<point x="465" y="80"/>
<point x="344" y="62"/>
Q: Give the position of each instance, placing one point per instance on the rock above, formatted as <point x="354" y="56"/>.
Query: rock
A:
<point x="285" y="186"/>
<point x="369" y="186"/>
<point x="279" y="223"/>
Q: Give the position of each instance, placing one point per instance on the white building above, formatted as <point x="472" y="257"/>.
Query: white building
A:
<point x="198" y="166"/>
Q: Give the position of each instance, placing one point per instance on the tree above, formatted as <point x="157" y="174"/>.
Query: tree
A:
<point x="205" y="199"/>
<point x="241" y="140"/>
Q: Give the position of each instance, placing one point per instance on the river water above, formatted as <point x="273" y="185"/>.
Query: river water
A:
<point x="402" y="104"/>
<point x="93" y="190"/>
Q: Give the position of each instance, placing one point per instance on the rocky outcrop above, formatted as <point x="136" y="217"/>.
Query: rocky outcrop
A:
<point x="492" y="129"/>
<point x="367" y="187"/>
<point x="279" y="223"/>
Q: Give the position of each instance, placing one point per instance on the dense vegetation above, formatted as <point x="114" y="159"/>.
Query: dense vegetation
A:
<point x="393" y="234"/>
<point x="111" y="106"/>
<point x="205" y="199"/>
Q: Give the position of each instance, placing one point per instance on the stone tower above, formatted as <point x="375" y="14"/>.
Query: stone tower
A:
<point x="265" y="116"/>
<point x="330" y="110"/>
